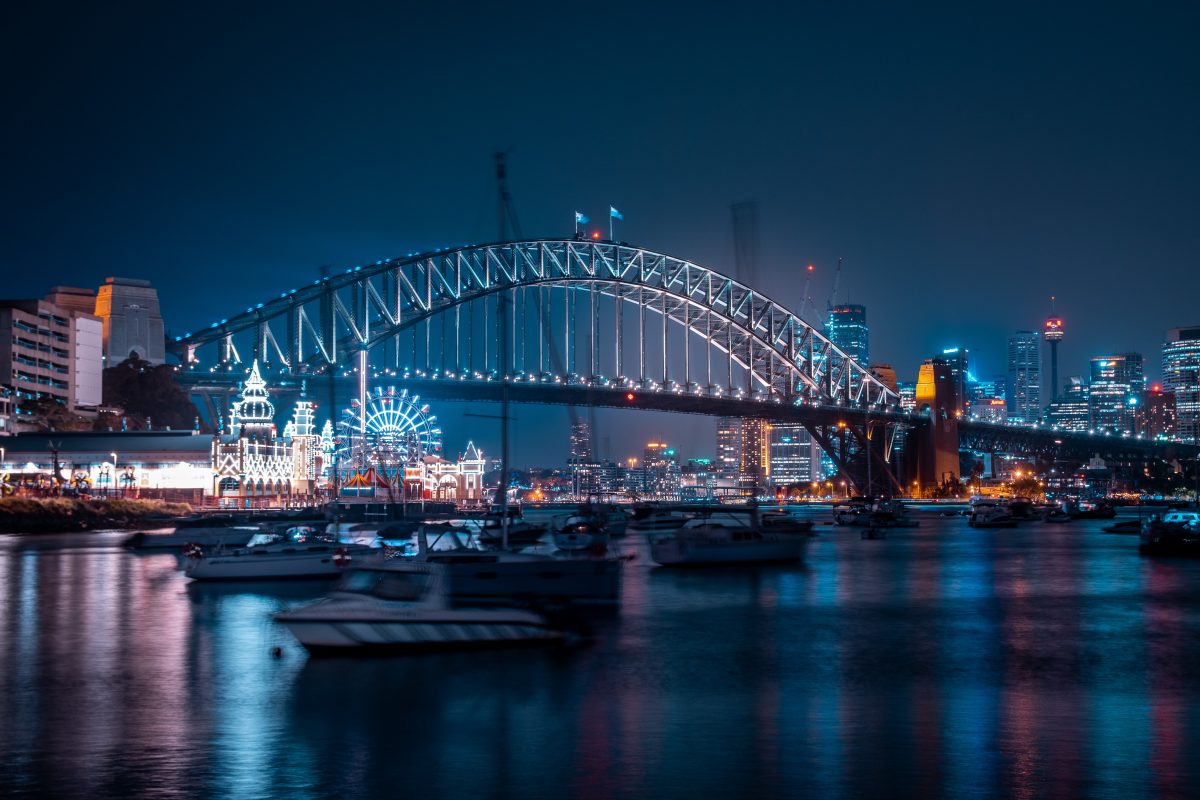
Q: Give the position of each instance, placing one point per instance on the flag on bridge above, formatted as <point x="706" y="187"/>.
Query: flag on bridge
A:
<point x="612" y="212"/>
<point x="580" y="218"/>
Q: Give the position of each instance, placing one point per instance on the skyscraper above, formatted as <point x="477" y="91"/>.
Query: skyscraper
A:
<point x="1070" y="411"/>
<point x="1154" y="415"/>
<point x="846" y="327"/>
<point x="1115" y="385"/>
<point x="1181" y="375"/>
<point x="1024" y="390"/>
<point x="755" y="467"/>
<point x="660" y="468"/>
<point x="791" y="456"/>
<point x="581" y="442"/>
<point x="728" y="464"/>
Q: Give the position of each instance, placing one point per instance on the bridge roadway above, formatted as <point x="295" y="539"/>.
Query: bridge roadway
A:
<point x="976" y="436"/>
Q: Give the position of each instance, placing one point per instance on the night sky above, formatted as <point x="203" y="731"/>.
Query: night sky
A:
<point x="966" y="160"/>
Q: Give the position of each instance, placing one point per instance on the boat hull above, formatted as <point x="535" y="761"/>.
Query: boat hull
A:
<point x="259" y="568"/>
<point x="674" y="552"/>
<point x="596" y="580"/>
<point x="449" y="632"/>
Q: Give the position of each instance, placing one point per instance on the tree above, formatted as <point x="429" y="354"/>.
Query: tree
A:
<point x="145" y="392"/>
<point x="48" y="414"/>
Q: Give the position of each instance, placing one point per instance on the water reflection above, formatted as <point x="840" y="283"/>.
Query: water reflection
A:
<point x="942" y="661"/>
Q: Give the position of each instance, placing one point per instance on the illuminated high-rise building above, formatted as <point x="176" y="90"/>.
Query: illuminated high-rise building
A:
<point x="846" y="327"/>
<point x="1181" y="376"/>
<point x="1154" y="415"/>
<point x="1114" y="389"/>
<point x="728" y="464"/>
<point x="581" y="442"/>
<point x="755" y="466"/>
<point x="1024" y="389"/>
<point x="791" y="455"/>
<point x="660" y="470"/>
<point x="957" y="359"/>
<point x="1070" y="411"/>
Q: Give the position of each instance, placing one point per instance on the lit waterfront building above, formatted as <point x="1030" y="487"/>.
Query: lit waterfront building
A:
<point x="1024" y="389"/>
<point x="728" y="464"/>
<point x="1154" y="414"/>
<point x="698" y="479"/>
<point x="791" y="455"/>
<point x="846" y="327"/>
<point x="660" y="470"/>
<point x="51" y="351"/>
<point x="908" y="395"/>
<point x="1181" y="376"/>
<point x="1114" y="386"/>
<point x="252" y="464"/>
<point x="1070" y="411"/>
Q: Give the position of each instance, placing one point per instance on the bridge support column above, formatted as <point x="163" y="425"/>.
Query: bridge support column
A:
<point x="936" y="442"/>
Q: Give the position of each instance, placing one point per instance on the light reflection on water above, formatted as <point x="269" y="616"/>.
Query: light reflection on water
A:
<point x="941" y="662"/>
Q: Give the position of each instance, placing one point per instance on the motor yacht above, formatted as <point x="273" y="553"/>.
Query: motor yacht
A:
<point x="205" y="530"/>
<point x="581" y="530"/>
<point x="503" y="575"/>
<point x="651" y="520"/>
<point x="1176" y="533"/>
<point x="520" y="532"/>
<point x="988" y="513"/>
<point x="729" y="536"/>
<point x="301" y="552"/>
<point x="402" y="605"/>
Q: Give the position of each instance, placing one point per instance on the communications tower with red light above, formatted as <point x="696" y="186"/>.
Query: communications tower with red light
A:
<point x="1053" y="333"/>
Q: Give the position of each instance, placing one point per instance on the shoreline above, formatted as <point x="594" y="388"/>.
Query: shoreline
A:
<point x="71" y="515"/>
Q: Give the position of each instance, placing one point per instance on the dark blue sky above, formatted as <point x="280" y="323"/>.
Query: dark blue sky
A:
<point x="966" y="160"/>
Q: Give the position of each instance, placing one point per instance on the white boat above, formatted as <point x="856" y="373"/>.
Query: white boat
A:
<point x="988" y="513"/>
<point x="401" y="605"/>
<point x="729" y="537"/>
<point x="205" y="531"/>
<point x="302" y="552"/>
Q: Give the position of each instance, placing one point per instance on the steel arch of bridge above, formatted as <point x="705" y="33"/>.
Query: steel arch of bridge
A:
<point x="777" y="354"/>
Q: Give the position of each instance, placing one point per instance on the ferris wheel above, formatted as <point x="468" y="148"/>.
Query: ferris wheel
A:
<point x="393" y="428"/>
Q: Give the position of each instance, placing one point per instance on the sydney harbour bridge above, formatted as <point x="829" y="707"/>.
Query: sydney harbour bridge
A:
<point x="601" y="323"/>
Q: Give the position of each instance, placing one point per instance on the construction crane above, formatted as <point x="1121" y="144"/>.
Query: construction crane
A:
<point x="806" y="301"/>
<point x="837" y="279"/>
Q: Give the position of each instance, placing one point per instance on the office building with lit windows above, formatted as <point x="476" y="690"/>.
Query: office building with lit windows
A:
<point x="846" y="327"/>
<point x="50" y="351"/>
<point x="1181" y="377"/>
<point x="728" y="463"/>
<point x="1070" y="411"/>
<point x="1024" y="388"/>
<point x="1154" y="415"/>
<point x="1114" y="388"/>
<point x="792" y="453"/>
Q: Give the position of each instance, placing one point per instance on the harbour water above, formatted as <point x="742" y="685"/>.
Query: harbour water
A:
<point x="1046" y="661"/>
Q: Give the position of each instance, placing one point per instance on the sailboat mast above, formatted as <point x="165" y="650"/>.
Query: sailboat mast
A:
<point x="502" y="338"/>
